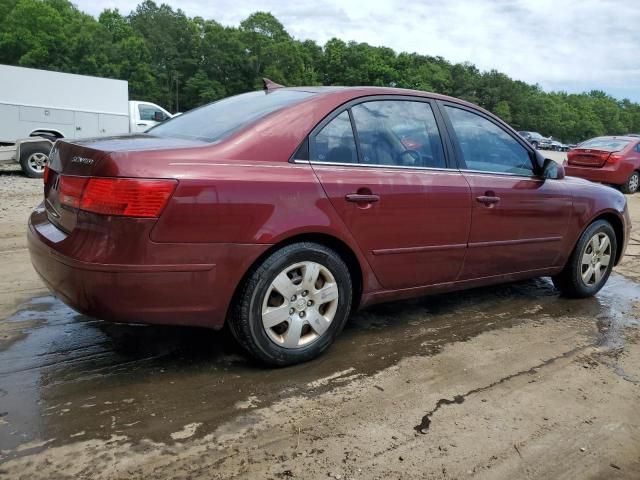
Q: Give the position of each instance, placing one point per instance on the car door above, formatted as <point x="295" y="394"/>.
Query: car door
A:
<point x="519" y="217"/>
<point x="383" y="166"/>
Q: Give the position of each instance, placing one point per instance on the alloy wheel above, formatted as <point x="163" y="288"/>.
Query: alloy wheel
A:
<point x="300" y="304"/>
<point x="37" y="161"/>
<point x="634" y="182"/>
<point x="595" y="259"/>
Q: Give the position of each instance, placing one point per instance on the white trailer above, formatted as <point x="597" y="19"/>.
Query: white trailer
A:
<point x="39" y="106"/>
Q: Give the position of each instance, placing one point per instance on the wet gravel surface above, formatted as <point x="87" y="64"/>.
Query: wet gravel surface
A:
<point x="69" y="374"/>
<point x="82" y="398"/>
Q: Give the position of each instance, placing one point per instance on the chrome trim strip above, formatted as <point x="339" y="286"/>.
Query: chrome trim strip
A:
<point x="429" y="169"/>
<point x="499" y="243"/>
<point x="502" y="174"/>
<point x="372" y="165"/>
<point x="428" y="248"/>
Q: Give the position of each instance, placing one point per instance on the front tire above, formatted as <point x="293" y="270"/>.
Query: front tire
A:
<point x="590" y="263"/>
<point x="632" y="184"/>
<point x="292" y="306"/>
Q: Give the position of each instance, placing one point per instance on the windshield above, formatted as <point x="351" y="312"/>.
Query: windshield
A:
<point x="605" y="144"/>
<point x="215" y="121"/>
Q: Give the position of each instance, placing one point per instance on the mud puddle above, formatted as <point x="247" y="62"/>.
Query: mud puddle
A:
<point x="69" y="377"/>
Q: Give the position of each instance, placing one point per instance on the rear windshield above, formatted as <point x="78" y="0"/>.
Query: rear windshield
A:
<point x="215" y="121"/>
<point x="605" y="144"/>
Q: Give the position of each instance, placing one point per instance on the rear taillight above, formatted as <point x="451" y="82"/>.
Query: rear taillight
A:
<point x="45" y="176"/>
<point x="70" y="189"/>
<point x="127" y="196"/>
<point x="613" y="158"/>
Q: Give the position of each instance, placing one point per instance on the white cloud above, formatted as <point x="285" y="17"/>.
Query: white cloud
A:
<point x="573" y="45"/>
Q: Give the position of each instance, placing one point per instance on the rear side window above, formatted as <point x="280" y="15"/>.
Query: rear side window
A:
<point x="605" y="144"/>
<point x="215" y="121"/>
<point x="335" y="142"/>
<point x="487" y="147"/>
<point x="398" y="133"/>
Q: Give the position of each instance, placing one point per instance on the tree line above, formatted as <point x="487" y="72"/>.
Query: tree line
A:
<point x="181" y="62"/>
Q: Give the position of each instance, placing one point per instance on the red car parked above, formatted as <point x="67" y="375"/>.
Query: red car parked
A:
<point x="612" y="160"/>
<point x="280" y="212"/>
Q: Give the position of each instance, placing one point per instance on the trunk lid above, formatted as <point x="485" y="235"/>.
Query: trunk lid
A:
<point x="596" y="152"/>
<point x="73" y="163"/>
<point x="587" y="157"/>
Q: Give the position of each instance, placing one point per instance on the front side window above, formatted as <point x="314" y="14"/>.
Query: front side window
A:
<point x="486" y="146"/>
<point x="149" y="113"/>
<point x="335" y="142"/>
<point x="398" y="133"/>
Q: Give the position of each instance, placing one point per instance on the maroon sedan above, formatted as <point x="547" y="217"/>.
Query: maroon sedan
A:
<point x="280" y="212"/>
<point x="612" y="160"/>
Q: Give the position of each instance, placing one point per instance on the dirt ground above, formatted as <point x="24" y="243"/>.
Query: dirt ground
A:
<point x="503" y="383"/>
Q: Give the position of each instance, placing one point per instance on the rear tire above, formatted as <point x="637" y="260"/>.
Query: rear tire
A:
<point x="33" y="159"/>
<point x="590" y="263"/>
<point x="292" y="306"/>
<point x="632" y="184"/>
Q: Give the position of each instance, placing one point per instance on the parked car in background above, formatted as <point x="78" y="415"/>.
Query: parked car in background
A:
<point x="557" y="146"/>
<point x="39" y="106"/>
<point x="537" y="140"/>
<point x="612" y="160"/>
<point x="280" y="212"/>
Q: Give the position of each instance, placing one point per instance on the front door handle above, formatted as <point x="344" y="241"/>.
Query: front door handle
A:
<point x="362" y="197"/>
<point x="488" y="199"/>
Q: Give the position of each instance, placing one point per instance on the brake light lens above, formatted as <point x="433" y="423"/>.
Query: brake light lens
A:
<point x="127" y="196"/>
<point x="45" y="176"/>
<point x="70" y="189"/>
<point x="613" y="158"/>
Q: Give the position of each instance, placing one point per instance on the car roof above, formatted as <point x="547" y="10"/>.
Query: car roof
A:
<point x="363" y="91"/>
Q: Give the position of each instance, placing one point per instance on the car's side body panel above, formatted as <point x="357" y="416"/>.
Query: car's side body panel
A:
<point x="416" y="233"/>
<point x="523" y="231"/>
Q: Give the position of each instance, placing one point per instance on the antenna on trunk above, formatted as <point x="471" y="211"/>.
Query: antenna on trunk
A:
<point x="270" y="85"/>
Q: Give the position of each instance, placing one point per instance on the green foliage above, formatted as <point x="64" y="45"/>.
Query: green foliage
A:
<point x="182" y="62"/>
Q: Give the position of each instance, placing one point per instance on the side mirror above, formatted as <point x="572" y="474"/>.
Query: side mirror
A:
<point x="158" y="116"/>
<point x="552" y="169"/>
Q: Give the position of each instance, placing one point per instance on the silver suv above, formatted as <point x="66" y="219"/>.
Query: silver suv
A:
<point x="537" y="140"/>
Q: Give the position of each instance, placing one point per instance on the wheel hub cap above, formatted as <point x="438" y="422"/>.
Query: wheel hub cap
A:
<point x="595" y="259"/>
<point x="300" y="304"/>
<point x="38" y="161"/>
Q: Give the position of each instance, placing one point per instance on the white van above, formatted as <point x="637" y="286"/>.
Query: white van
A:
<point x="39" y="106"/>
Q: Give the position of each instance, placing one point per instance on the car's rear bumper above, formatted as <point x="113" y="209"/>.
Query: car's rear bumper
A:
<point x="612" y="174"/>
<point x="175" y="293"/>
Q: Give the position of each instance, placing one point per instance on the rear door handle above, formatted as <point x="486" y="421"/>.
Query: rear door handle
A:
<point x="488" y="200"/>
<point x="362" y="197"/>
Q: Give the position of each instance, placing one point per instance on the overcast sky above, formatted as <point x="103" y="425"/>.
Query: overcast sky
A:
<point x="572" y="45"/>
